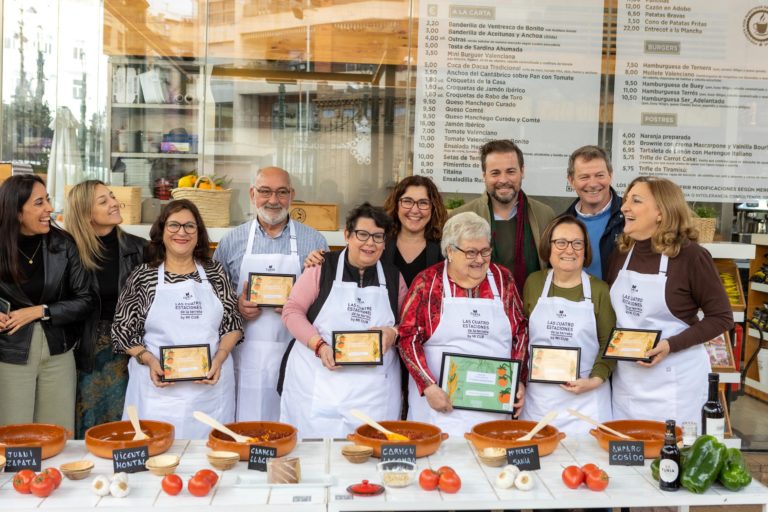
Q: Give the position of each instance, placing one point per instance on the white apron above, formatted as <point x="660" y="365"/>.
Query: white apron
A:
<point x="559" y="322"/>
<point x="257" y="359"/>
<point x="316" y="400"/>
<point x="186" y="313"/>
<point x="451" y="336"/>
<point x="674" y="389"/>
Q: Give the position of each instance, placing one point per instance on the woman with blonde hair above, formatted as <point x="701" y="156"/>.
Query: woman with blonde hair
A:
<point x="92" y="217"/>
<point x="660" y="278"/>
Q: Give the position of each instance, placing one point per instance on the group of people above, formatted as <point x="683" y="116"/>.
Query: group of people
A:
<point x="90" y="308"/>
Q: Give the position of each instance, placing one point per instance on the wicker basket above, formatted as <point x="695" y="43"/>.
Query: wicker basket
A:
<point x="213" y="204"/>
<point x="706" y="228"/>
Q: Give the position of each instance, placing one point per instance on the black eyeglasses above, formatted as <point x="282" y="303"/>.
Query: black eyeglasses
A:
<point x="363" y="236"/>
<point x="421" y="204"/>
<point x="472" y="254"/>
<point x="562" y="244"/>
<point x="190" y="228"/>
<point x="266" y="193"/>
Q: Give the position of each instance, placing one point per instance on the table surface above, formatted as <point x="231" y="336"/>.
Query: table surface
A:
<point x="327" y="474"/>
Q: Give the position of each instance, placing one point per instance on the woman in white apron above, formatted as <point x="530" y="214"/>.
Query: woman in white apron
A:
<point x="660" y="279"/>
<point x="568" y="308"/>
<point x="465" y="305"/>
<point x="181" y="297"/>
<point x="351" y="291"/>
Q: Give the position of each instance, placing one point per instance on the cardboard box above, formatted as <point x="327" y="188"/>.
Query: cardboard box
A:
<point x="321" y="216"/>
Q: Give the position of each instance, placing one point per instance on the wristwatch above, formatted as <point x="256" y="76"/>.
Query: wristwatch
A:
<point x="46" y="313"/>
<point x="138" y="357"/>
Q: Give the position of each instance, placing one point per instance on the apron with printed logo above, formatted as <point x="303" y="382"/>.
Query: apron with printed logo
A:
<point x="186" y="313"/>
<point x="559" y="322"/>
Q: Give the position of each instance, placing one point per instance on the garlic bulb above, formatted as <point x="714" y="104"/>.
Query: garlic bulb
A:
<point x="512" y="469"/>
<point x="119" y="489"/>
<point x="100" y="486"/>
<point x="524" y="481"/>
<point x="505" y="480"/>
<point x="120" y="477"/>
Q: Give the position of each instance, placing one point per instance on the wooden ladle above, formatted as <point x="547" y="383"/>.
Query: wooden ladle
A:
<point x="133" y="415"/>
<point x="586" y="418"/>
<point x="540" y="425"/>
<point x="391" y="436"/>
<point x="204" y="418"/>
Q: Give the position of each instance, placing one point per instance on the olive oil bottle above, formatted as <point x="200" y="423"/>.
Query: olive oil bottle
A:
<point x="669" y="463"/>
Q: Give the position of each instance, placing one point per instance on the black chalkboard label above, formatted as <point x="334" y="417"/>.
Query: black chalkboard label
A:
<point x="130" y="460"/>
<point x="406" y="452"/>
<point x="21" y="457"/>
<point x="625" y="453"/>
<point x="258" y="456"/>
<point x="524" y="457"/>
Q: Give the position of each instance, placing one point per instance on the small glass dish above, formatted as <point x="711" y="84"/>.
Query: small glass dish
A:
<point x="397" y="473"/>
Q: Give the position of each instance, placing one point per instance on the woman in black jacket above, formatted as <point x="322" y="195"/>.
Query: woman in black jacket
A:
<point x="92" y="216"/>
<point x="49" y="293"/>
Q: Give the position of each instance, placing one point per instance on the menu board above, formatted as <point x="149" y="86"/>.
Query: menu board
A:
<point x="526" y="70"/>
<point x="691" y="96"/>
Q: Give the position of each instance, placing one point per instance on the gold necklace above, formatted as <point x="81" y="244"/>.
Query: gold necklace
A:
<point x="30" y="259"/>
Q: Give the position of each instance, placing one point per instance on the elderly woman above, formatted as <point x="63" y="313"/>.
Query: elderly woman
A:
<point x="179" y="297"/>
<point x="93" y="217"/>
<point x="441" y="302"/>
<point x="47" y="292"/>
<point x="660" y="278"/>
<point x="582" y="306"/>
<point x="351" y="291"/>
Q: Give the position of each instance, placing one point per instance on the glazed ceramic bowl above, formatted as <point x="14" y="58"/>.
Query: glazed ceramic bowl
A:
<point x="280" y="436"/>
<point x="426" y="437"/>
<point x="504" y="434"/>
<point x="51" y="438"/>
<point x="651" y="433"/>
<point x="102" y="439"/>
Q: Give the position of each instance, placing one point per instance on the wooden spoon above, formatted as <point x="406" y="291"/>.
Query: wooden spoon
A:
<point x="204" y="418"/>
<point x="391" y="436"/>
<point x="133" y="415"/>
<point x="586" y="418"/>
<point x="540" y="425"/>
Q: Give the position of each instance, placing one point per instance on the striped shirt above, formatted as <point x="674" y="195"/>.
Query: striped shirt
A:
<point x="138" y="294"/>
<point x="231" y="249"/>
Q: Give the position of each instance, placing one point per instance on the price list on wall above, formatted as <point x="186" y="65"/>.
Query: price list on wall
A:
<point x="522" y="70"/>
<point x="691" y="96"/>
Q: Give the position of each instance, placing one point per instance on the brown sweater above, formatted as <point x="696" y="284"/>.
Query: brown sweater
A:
<point x="693" y="283"/>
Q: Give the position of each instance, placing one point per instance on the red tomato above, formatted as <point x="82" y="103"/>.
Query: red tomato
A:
<point x="55" y="475"/>
<point x="22" y="479"/>
<point x="209" y="475"/>
<point x="449" y="482"/>
<point x="172" y="484"/>
<point x="589" y="468"/>
<point x="198" y="486"/>
<point x="445" y="469"/>
<point x="573" y="476"/>
<point x="597" y="480"/>
<point x="42" y="486"/>
<point x="428" y="479"/>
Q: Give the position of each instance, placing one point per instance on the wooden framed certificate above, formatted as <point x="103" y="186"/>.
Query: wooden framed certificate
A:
<point x="554" y="365"/>
<point x="185" y="362"/>
<point x="480" y="383"/>
<point x="270" y="290"/>
<point x="631" y="344"/>
<point x="357" y="347"/>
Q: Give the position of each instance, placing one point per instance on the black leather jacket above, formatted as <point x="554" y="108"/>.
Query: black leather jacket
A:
<point x="66" y="291"/>
<point x="131" y="256"/>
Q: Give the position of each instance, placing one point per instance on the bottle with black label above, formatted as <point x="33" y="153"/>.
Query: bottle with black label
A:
<point x="712" y="413"/>
<point x="669" y="463"/>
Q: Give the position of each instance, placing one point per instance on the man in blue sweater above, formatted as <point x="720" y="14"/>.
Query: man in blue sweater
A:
<point x="599" y="206"/>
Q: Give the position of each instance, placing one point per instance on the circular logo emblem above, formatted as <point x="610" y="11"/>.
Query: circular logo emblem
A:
<point x="756" y="26"/>
<point x="299" y="214"/>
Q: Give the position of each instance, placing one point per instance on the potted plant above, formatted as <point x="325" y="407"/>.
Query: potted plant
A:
<point x="705" y="221"/>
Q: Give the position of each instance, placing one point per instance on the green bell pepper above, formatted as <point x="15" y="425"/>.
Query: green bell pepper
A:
<point x="703" y="464"/>
<point x="735" y="474"/>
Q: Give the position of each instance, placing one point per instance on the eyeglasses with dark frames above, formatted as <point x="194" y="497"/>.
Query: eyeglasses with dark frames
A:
<point x="363" y="236"/>
<point x="421" y="204"/>
<point x="190" y="228"/>
<point x="266" y="193"/>
<point x="562" y="243"/>
<point x="472" y="254"/>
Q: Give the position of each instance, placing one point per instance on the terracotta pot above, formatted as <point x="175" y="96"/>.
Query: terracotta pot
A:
<point x="102" y="439"/>
<point x="426" y="445"/>
<point x="651" y="433"/>
<point x="284" y="445"/>
<point x="504" y="434"/>
<point x="51" y="438"/>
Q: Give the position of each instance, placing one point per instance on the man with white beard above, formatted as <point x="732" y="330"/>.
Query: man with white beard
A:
<point x="270" y="244"/>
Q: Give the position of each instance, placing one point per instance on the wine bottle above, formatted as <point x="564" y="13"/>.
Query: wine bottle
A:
<point x="669" y="463"/>
<point x="712" y="413"/>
